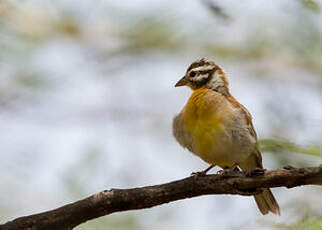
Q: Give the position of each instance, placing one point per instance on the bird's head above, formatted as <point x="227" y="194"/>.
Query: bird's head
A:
<point x="205" y="74"/>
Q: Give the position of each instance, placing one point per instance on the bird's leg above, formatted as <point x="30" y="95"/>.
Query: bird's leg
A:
<point x="202" y="173"/>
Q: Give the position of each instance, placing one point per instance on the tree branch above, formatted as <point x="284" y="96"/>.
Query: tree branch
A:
<point x="115" y="200"/>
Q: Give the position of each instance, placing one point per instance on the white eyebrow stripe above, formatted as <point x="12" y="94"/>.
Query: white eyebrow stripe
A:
<point x="200" y="77"/>
<point x="203" y="68"/>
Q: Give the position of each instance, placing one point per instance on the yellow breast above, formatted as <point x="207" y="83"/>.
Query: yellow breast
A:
<point x="204" y="122"/>
<point x="212" y="128"/>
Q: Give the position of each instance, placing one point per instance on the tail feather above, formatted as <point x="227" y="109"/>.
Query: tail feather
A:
<point x="267" y="203"/>
<point x="265" y="200"/>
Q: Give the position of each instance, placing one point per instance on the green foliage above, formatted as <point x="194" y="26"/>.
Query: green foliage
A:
<point x="299" y="42"/>
<point x="285" y="152"/>
<point x="150" y="33"/>
<point x="311" y="5"/>
<point x="253" y="48"/>
<point x="307" y="224"/>
<point x="279" y="145"/>
<point x="30" y="80"/>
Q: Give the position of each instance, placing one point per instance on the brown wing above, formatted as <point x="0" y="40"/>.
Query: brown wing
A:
<point x="248" y="116"/>
<point x="255" y="159"/>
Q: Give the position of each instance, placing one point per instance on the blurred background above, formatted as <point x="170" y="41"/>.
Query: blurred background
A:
<point x="87" y="99"/>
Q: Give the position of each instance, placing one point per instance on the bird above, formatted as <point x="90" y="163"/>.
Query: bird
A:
<point x="216" y="127"/>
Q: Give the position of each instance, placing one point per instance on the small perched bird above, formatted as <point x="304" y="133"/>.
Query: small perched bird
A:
<point x="217" y="128"/>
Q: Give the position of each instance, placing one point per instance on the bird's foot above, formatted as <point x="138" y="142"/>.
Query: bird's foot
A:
<point x="198" y="174"/>
<point x="202" y="173"/>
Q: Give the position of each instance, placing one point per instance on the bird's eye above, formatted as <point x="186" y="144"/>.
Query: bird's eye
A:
<point x="192" y="74"/>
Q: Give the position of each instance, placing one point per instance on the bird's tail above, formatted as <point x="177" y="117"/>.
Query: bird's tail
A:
<point x="266" y="202"/>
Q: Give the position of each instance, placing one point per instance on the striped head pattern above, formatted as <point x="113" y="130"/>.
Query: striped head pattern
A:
<point x="205" y="74"/>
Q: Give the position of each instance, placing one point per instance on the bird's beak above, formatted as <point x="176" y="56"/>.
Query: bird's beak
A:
<point x="182" y="82"/>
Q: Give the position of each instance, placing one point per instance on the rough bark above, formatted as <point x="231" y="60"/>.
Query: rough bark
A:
<point x="116" y="200"/>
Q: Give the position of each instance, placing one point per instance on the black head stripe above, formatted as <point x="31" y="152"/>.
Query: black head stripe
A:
<point x="209" y="71"/>
<point x="202" y="82"/>
<point x="201" y="62"/>
<point x="193" y="65"/>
